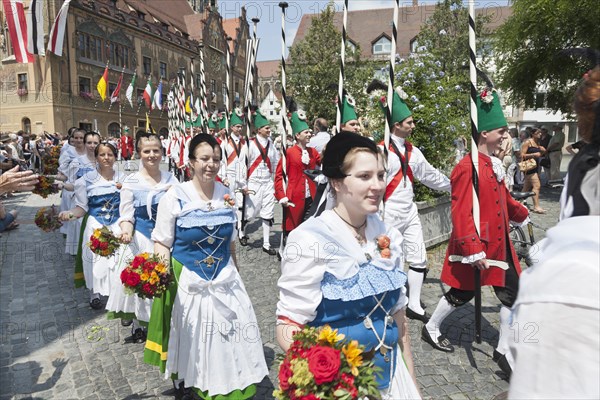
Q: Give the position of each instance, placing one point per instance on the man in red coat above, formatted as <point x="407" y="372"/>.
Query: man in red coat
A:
<point x="467" y="249"/>
<point x="297" y="199"/>
<point x="126" y="147"/>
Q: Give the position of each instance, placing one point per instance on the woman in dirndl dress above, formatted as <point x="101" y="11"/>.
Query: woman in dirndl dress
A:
<point x="140" y="195"/>
<point x="70" y="172"/>
<point x="73" y="148"/>
<point x="97" y="199"/>
<point x="203" y="330"/>
<point x="343" y="268"/>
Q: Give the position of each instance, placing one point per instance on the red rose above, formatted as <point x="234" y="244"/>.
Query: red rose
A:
<point x="103" y="246"/>
<point x="133" y="279"/>
<point x="147" y="288"/>
<point x="124" y="275"/>
<point x="149" y="266"/>
<point x="285" y="373"/>
<point x="137" y="261"/>
<point x="324" y="363"/>
<point x="309" y="397"/>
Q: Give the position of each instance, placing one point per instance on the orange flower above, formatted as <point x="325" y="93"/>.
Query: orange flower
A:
<point x="383" y="242"/>
<point x="385" y="253"/>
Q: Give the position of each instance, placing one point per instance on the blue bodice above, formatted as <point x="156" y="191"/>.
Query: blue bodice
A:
<point x="202" y="241"/>
<point x="366" y="299"/>
<point x="105" y="207"/>
<point x="145" y="223"/>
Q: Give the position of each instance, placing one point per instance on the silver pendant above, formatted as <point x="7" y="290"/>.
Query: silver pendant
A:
<point x="107" y="216"/>
<point x="210" y="240"/>
<point x="103" y="209"/>
<point x="368" y="323"/>
<point x="210" y="227"/>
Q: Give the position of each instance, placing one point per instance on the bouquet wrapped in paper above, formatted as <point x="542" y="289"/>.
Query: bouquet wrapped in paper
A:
<point x="103" y="242"/>
<point x="321" y="365"/>
<point x="147" y="275"/>
<point x="47" y="219"/>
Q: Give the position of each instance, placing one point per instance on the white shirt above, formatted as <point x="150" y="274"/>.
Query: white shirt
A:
<point x="319" y="141"/>
<point x="402" y="199"/>
<point x="556" y="316"/>
<point x="261" y="173"/>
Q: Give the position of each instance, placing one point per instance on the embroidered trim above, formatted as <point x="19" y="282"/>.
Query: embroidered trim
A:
<point x="197" y="218"/>
<point x="369" y="281"/>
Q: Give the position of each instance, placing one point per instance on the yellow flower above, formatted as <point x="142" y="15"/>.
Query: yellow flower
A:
<point x="302" y="376"/>
<point x="353" y="355"/>
<point x="160" y="268"/>
<point x="144" y="276"/>
<point x="145" y="255"/>
<point x="97" y="233"/>
<point x="153" y="278"/>
<point x="329" y="335"/>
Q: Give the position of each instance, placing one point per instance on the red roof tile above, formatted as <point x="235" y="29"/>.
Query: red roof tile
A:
<point x="268" y="69"/>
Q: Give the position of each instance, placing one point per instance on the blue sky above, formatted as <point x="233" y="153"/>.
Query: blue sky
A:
<point x="269" y="13"/>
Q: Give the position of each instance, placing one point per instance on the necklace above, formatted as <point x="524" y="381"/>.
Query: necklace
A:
<point x="357" y="229"/>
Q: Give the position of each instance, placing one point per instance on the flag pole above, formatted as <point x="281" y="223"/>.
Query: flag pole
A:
<point x="340" y="97"/>
<point x="203" y="102"/>
<point x="475" y="159"/>
<point x="119" y="92"/>
<point x="227" y="82"/>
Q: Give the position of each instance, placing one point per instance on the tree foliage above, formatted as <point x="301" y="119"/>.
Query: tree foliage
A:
<point x="314" y="66"/>
<point x="528" y="42"/>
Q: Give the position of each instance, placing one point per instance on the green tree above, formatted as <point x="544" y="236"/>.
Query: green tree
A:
<point x="528" y="42"/>
<point x="314" y="66"/>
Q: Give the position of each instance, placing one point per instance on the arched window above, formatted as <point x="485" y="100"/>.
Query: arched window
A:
<point x="114" y="129"/>
<point x="382" y="46"/>
<point x="26" y="125"/>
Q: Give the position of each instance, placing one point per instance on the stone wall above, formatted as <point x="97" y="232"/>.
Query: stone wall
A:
<point x="436" y="220"/>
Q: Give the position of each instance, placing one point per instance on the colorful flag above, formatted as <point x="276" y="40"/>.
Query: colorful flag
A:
<point x="102" y="85"/>
<point x="148" y="94"/>
<point x="17" y="29"/>
<point x="57" y="33"/>
<point x="114" y="97"/>
<point x="148" y="125"/>
<point x="130" y="89"/>
<point x="157" y="99"/>
<point x="35" y="28"/>
<point x="189" y="104"/>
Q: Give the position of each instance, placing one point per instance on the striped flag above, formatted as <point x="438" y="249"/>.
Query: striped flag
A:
<point x="148" y="94"/>
<point x="157" y="98"/>
<point x="35" y="28"/>
<point x="17" y="29"/>
<point x="57" y="33"/>
<point x="102" y="85"/>
<point x="130" y="89"/>
<point x="114" y="97"/>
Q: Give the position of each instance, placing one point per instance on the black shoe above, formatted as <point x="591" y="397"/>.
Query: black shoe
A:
<point x="139" y="336"/>
<point x="441" y="343"/>
<point x="270" y="252"/>
<point x="413" y="315"/>
<point x="96" y="304"/>
<point x="244" y="240"/>
<point x="279" y="256"/>
<point x="496" y="356"/>
<point x="504" y="365"/>
<point x="126" y="322"/>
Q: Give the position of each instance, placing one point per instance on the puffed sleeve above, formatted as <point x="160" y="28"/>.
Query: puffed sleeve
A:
<point x="427" y="174"/>
<point x="168" y="208"/>
<point x="81" y="197"/>
<point x="71" y="170"/>
<point x="300" y="281"/>
<point x="126" y="209"/>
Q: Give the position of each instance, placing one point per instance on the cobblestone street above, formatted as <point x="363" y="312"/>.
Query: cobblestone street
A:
<point x="54" y="346"/>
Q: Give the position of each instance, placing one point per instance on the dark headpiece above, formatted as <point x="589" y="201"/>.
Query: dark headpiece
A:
<point x="338" y="147"/>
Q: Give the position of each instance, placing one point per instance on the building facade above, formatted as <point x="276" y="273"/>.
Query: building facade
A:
<point x="141" y="36"/>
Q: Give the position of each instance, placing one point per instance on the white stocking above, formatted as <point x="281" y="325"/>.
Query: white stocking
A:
<point x="442" y="310"/>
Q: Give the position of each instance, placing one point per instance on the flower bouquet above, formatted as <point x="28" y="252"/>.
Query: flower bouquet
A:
<point x="103" y="242"/>
<point x="147" y="275"/>
<point x="50" y="160"/>
<point x="45" y="187"/>
<point x="47" y="219"/>
<point x="321" y="365"/>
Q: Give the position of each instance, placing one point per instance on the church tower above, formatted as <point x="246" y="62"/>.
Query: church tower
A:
<point x="200" y="5"/>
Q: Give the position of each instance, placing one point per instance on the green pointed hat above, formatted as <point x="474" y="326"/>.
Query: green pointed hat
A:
<point x="213" y="120"/>
<point x="197" y="122"/>
<point x="237" y="117"/>
<point x="259" y="120"/>
<point x="222" y="121"/>
<point x="188" y="124"/>
<point x="489" y="111"/>
<point x="348" y="109"/>
<point x="298" y="122"/>
<point x="400" y="110"/>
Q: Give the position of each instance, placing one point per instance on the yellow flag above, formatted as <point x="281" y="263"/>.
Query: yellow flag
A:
<point x="148" y="125"/>
<point x="102" y="86"/>
<point x="188" y="106"/>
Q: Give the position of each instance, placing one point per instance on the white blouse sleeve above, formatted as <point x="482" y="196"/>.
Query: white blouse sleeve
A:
<point x="126" y="209"/>
<point x="300" y="282"/>
<point x="81" y="196"/>
<point x="168" y="208"/>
